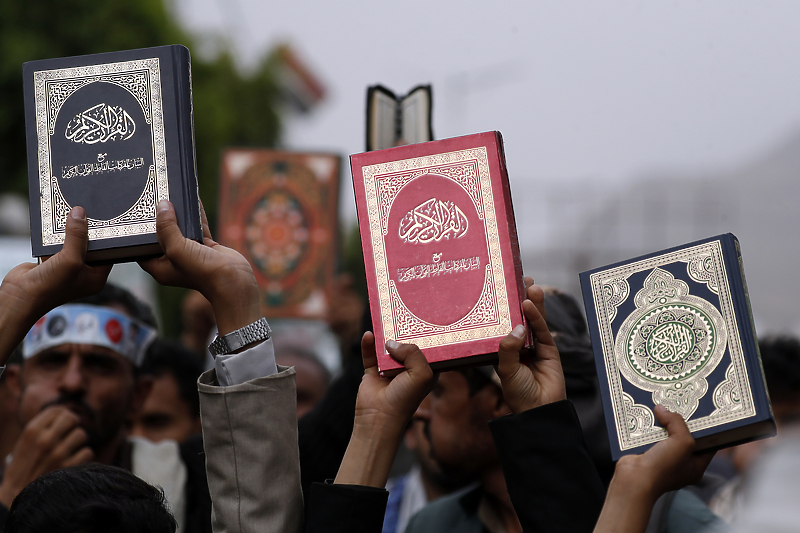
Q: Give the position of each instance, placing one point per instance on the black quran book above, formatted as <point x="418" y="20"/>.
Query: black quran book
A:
<point x="114" y="134"/>
<point x="675" y="328"/>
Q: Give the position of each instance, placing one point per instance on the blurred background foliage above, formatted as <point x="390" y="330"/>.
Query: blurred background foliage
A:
<point x="230" y="107"/>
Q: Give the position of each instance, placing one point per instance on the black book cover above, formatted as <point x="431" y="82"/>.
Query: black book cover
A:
<point x="114" y="134"/>
<point x="675" y="328"/>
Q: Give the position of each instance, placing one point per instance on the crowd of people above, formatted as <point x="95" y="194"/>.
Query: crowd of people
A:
<point x="106" y="427"/>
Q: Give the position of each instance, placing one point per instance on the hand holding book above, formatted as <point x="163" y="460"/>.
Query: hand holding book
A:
<point x="29" y="290"/>
<point x="639" y="480"/>
<point x="383" y="408"/>
<point x="219" y="273"/>
<point x="541" y="380"/>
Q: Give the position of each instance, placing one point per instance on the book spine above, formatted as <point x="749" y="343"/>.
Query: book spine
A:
<point x="192" y="225"/>
<point x="747" y="330"/>
<point x="519" y="276"/>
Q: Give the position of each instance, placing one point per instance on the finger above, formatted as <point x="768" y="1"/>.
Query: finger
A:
<point x="508" y="352"/>
<point x="538" y="325"/>
<point x="169" y="234"/>
<point x="84" y="455"/>
<point x="44" y="419"/>
<point x="528" y="282"/>
<point x="368" y="355"/>
<point x="411" y="357"/>
<point x="76" y="236"/>
<point x="536" y="295"/>
<point x="672" y="422"/>
<point x="69" y="445"/>
<point x="65" y="422"/>
<point x="204" y="222"/>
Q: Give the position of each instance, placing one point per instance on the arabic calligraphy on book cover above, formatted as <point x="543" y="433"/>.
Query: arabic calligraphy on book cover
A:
<point x="280" y="210"/>
<point x="100" y="132"/>
<point x="669" y="335"/>
<point x="436" y="245"/>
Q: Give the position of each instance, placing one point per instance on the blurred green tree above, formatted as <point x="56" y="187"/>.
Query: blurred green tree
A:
<point x="230" y="108"/>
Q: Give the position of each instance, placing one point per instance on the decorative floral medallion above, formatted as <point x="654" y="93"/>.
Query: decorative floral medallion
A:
<point x="671" y="343"/>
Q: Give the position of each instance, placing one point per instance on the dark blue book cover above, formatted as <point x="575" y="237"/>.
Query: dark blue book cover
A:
<point x="112" y="133"/>
<point x="675" y="328"/>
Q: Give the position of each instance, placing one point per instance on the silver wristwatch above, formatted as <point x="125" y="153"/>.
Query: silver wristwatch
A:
<point x="258" y="331"/>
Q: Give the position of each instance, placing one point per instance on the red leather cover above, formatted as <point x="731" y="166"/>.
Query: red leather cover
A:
<point x="280" y="210"/>
<point x="440" y="248"/>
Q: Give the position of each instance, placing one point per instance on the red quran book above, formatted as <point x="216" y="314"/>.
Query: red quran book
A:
<point x="440" y="248"/>
<point x="280" y="210"/>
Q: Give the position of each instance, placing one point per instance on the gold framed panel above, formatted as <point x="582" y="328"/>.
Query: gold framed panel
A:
<point x="469" y="169"/>
<point x="142" y="79"/>
<point x="732" y="398"/>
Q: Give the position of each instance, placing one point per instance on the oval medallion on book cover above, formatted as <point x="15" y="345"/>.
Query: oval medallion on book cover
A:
<point x="102" y="149"/>
<point x="436" y="249"/>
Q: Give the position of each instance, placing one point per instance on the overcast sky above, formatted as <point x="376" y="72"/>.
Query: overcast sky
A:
<point x="601" y="90"/>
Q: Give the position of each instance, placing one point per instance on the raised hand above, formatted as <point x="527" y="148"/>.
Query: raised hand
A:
<point x="383" y="408"/>
<point x="29" y="291"/>
<point x="219" y="273"/>
<point x="51" y="440"/>
<point x="670" y="464"/>
<point x="639" y="480"/>
<point x="541" y="380"/>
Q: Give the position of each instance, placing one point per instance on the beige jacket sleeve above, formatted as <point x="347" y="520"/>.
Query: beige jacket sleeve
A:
<point x="252" y="458"/>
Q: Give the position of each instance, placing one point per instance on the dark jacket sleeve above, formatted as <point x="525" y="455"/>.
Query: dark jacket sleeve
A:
<point x="551" y="479"/>
<point x="324" y="433"/>
<point x="198" y="500"/>
<point x="3" y="516"/>
<point x="345" y="508"/>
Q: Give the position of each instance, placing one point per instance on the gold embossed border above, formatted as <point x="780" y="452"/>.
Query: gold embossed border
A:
<point x="469" y="169"/>
<point x="602" y="307"/>
<point x="141" y="78"/>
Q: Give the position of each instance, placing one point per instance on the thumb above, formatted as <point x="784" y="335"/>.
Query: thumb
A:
<point x="412" y="358"/>
<point x="76" y="237"/>
<point x="167" y="230"/>
<point x="508" y="352"/>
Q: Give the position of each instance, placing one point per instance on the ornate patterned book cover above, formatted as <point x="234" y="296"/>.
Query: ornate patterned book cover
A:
<point x="114" y="134"/>
<point x="280" y="210"/>
<point x="440" y="248"/>
<point x="675" y="328"/>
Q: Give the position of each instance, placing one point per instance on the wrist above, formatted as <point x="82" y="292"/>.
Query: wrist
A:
<point x="7" y="495"/>
<point x="631" y="485"/>
<point x="235" y="306"/>
<point x="368" y="459"/>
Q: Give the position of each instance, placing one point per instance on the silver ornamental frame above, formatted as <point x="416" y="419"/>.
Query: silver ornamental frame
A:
<point x="142" y="79"/>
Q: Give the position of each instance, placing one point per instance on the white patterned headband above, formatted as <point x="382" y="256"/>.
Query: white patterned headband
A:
<point x="89" y="324"/>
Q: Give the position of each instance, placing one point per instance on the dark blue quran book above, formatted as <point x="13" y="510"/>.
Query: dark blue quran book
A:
<point x="114" y="134"/>
<point x="675" y="328"/>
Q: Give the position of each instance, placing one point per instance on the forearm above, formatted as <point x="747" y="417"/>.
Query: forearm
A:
<point x="627" y="508"/>
<point x="250" y="440"/>
<point x="16" y="318"/>
<point x="369" y="456"/>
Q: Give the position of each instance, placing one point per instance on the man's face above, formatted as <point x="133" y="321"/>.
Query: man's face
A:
<point x="457" y="426"/>
<point x="165" y="414"/>
<point x="94" y="382"/>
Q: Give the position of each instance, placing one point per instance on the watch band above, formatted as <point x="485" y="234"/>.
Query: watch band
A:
<point x="258" y="331"/>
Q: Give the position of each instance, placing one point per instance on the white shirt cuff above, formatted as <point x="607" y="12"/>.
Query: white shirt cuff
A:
<point x="253" y="363"/>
